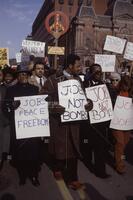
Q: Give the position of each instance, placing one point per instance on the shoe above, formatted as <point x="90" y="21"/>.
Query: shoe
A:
<point x="58" y="175"/>
<point x="4" y="156"/>
<point x="75" y="185"/>
<point x="120" y="172"/>
<point x="120" y="169"/>
<point x="35" y="181"/>
<point x="103" y="175"/>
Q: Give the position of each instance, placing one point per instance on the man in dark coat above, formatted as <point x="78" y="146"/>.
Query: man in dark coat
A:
<point x="25" y="152"/>
<point x="94" y="143"/>
<point x="64" y="140"/>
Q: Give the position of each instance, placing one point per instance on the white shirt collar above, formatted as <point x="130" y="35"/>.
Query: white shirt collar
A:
<point x="38" y="80"/>
<point x="67" y="75"/>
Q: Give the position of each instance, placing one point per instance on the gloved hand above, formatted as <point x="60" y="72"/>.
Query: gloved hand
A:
<point x="16" y="104"/>
<point x="89" y="105"/>
<point x="56" y="109"/>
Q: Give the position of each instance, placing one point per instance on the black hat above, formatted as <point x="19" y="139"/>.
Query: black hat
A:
<point x="9" y="70"/>
<point x="22" y="68"/>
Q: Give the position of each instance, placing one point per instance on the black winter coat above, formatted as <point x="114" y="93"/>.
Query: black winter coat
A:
<point x="22" y="149"/>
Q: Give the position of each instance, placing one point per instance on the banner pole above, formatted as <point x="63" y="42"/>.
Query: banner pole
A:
<point x="55" y="57"/>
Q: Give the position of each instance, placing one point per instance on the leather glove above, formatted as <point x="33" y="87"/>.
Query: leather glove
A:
<point x="89" y="105"/>
<point x="56" y="109"/>
<point x="16" y="104"/>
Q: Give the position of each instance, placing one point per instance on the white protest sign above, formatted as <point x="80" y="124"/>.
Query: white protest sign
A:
<point x="123" y="114"/>
<point x="18" y="57"/>
<point x="114" y="44"/>
<point x="31" y="117"/>
<point x="72" y="97"/>
<point x="129" y="51"/>
<point x="107" y="62"/>
<point x="102" y="105"/>
<point x="35" y="48"/>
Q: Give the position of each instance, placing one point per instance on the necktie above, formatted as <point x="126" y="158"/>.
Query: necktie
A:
<point x="41" y="82"/>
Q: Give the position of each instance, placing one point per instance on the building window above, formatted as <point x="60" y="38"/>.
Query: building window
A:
<point x="61" y="1"/>
<point x="80" y="2"/>
<point x="88" y="2"/>
<point x="70" y="2"/>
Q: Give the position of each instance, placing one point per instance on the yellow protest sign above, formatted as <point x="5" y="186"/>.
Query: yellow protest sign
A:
<point x="4" y="56"/>
<point x="56" y="50"/>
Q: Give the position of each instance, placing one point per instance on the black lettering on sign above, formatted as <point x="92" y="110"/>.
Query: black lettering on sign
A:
<point x="71" y="89"/>
<point x="124" y="105"/>
<point x="73" y="115"/>
<point x="99" y="93"/>
<point x="75" y="103"/>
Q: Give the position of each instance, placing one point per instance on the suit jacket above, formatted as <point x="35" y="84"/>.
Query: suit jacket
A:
<point x="32" y="80"/>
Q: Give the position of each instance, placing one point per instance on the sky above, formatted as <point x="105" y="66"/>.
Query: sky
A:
<point x="16" y="19"/>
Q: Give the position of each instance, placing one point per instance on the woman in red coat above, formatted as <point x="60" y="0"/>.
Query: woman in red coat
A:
<point x="122" y="137"/>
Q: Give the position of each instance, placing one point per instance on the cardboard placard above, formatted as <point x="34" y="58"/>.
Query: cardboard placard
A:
<point x="32" y="117"/>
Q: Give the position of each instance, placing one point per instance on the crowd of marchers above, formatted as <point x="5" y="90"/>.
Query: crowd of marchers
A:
<point x="95" y="145"/>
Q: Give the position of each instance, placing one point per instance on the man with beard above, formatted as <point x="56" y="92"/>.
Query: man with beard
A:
<point x="64" y="140"/>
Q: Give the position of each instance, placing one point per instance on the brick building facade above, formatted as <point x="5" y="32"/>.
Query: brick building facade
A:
<point x="90" y="22"/>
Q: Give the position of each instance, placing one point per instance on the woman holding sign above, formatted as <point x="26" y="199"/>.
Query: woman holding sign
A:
<point x="122" y="136"/>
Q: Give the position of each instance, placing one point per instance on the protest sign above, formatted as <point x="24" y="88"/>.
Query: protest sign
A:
<point x="123" y="114"/>
<point x="56" y="50"/>
<point x="114" y="44"/>
<point x="72" y="97"/>
<point x="4" y="56"/>
<point x="102" y="105"/>
<point x="107" y="62"/>
<point x="35" y="48"/>
<point x="32" y="118"/>
<point x="129" y="51"/>
<point x="18" y="57"/>
<point x="25" y="58"/>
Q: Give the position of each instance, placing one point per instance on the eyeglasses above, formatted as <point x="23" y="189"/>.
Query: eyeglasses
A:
<point x="115" y="80"/>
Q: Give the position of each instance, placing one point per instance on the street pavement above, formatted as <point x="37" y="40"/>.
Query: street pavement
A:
<point x="117" y="187"/>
